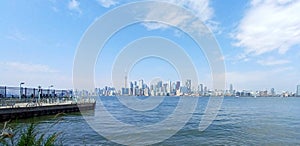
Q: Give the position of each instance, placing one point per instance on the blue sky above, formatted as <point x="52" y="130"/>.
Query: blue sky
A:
<point x="259" y="40"/>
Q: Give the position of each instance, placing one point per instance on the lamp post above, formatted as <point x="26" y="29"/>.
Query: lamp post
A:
<point x="49" y="87"/>
<point x="39" y="93"/>
<point x="22" y="83"/>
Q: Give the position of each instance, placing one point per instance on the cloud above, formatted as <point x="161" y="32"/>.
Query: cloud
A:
<point x="270" y="25"/>
<point x="54" y="9"/>
<point x="17" y="35"/>
<point x="74" y="5"/>
<point x="200" y="8"/>
<point x="155" y="25"/>
<point x="107" y="3"/>
<point x="273" y="62"/>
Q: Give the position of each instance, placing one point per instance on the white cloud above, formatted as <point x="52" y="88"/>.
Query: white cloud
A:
<point x="55" y="9"/>
<point x="270" y="25"/>
<point x="107" y="3"/>
<point x="74" y="5"/>
<point x="154" y="25"/>
<point x="273" y="62"/>
<point x="17" y="35"/>
<point x="200" y="8"/>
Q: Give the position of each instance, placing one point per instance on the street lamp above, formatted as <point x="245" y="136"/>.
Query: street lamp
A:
<point x="39" y="93"/>
<point x="50" y="86"/>
<point x="22" y="83"/>
<point x="49" y="89"/>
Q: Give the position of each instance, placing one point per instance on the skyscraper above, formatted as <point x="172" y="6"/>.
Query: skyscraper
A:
<point x="125" y="82"/>
<point x="273" y="92"/>
<point x="188" y="85"/>
<point x="131" y="89"/>
<point x="141" y="83"/>
<point x="169" y="87"/>
<point x="298" y="91"/>
<point x="201" y="89"/>
<point x="231" y="89"/>
<point x="177" y="85"/>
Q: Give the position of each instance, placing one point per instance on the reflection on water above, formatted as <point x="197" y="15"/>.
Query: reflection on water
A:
<point x="255" y="121"/>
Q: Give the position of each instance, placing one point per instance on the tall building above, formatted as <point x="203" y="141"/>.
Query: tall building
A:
<point x="273" y="93"/>
<point x="131" y="89"/>
<point x="298" y="91"/>
<point x="201" y="89"/>
<point x="188" y="85"/>
<point x="177" y="85"/>
<point x="231" y="89"/>
<point x="205" y="90"/>
<point x="141" y="83"/>
<point x="125" y="82"/>
<point x="169" y="87"/>
<point x="159" y="84"/>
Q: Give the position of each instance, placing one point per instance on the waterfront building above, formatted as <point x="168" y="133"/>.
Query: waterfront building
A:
<point x="125" y="91"/>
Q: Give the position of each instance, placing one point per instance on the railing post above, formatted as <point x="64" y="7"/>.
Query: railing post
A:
<point x="5" y="91"/>
<point x="25" y="93"/>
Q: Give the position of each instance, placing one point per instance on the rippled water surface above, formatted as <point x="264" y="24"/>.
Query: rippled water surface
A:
<point x="240" y="121"/>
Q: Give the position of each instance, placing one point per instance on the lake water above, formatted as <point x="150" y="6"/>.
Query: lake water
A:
<point x="240" y="121"/>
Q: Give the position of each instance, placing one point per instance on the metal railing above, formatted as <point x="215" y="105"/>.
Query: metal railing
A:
<point x="22" y="96"/>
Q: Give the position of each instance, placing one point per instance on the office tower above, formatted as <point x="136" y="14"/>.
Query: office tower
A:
<point x="125" y="82"/>
<point x="298" y="91"/>
<point x="173" y="87"/>
<point x="188" y="85"/>
<point x="131" y="88"/>
<point x="169" y="87"/>
<point x="273" y="92"/>
<point x="159" y="84"/>
<point x="201" y="89"/>
<point x="177" y="85"/>
<point x="141" y="83"/>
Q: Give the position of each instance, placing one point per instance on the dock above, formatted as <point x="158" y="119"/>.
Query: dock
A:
<point x="22" y="112"/>
<point x="21" y="103"/>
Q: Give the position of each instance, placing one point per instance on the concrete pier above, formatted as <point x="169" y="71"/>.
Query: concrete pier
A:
<point x="29" y="110"/>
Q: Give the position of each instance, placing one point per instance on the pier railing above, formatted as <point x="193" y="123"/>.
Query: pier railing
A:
<point x="22" y="96"/>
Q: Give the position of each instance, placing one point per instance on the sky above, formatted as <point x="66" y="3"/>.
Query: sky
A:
<point x="259" y="40"/>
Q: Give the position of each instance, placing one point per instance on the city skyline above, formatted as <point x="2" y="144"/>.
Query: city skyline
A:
<point x="179" y="88"/>
<point x="39" y="42"/>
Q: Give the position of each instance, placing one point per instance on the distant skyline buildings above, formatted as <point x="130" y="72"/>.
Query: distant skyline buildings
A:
<point x="176" y="88"/>
<point x="298" y="91"/>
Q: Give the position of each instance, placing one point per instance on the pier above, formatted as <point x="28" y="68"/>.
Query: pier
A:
<point x="39" y="103"/>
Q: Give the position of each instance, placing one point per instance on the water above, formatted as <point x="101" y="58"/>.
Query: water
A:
<point x="241" y="121"/>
